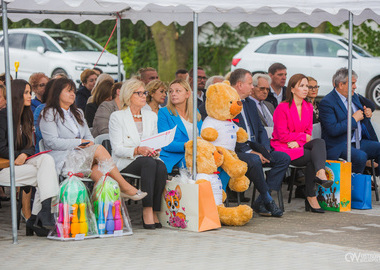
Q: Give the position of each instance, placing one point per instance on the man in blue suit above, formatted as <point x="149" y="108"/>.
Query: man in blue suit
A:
<point x="256" y="152"/>
<point x="333" y="118"/>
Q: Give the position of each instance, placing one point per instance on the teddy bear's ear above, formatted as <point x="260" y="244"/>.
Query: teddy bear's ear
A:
<point x="227" y="82"/>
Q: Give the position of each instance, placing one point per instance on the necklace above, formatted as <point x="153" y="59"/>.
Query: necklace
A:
<point x="137" y="115"/>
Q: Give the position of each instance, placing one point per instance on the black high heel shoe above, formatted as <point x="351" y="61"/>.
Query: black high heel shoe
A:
<point x="314" y="210"/>
<point x="148" y="226"/>
<point x="45" y="216"/>
<point x="34" y="226"/>
<point x="323" y="183"/>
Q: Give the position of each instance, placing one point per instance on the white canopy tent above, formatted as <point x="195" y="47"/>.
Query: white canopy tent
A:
<point x="200" y="12"/>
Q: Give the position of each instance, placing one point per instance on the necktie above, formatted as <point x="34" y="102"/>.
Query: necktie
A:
<point x="268" y="118"/>
<point x="357" y="141"/>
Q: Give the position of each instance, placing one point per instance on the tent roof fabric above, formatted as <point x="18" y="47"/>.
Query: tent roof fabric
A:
<point x="255" y="12"/>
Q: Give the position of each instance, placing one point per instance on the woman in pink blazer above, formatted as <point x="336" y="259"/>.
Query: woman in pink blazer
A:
<point x="293" y="124"/>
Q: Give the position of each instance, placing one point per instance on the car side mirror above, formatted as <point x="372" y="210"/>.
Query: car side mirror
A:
<point x="342" y="53"/>
<point x="40" y="50"/>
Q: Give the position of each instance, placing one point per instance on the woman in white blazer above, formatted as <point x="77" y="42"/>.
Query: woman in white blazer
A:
<point x="64" y="128"/>
<point x="127" y="128"/>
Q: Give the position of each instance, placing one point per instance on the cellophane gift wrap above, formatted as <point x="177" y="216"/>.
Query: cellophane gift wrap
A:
<point x="110" y="211"/>
<point x="73" y="213"/>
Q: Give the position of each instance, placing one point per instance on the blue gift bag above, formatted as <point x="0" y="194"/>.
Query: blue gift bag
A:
<point x="361" y="195"/>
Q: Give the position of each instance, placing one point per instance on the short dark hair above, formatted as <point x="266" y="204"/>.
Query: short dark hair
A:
<point x="191" y="71"/>
<point x="98" y="69"/>
<point x="238" y="75"/>
<point x="274" y="67"/>
<point x="181" y="71"/>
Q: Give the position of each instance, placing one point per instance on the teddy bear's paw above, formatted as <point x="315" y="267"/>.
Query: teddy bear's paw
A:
<point x="240" y="184"/>
<point x="235" y="216"/>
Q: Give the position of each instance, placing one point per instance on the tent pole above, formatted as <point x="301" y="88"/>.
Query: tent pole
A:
<point x="195" y="90"/>
<point x="10" y="122"/>
<point x="349" y="97"/>
<point x="118" y="49"/>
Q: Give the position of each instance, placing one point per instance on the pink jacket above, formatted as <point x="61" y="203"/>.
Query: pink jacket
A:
<point x="288" y="127"/>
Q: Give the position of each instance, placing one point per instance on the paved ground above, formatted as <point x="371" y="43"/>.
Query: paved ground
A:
<point x="298" y="240"/>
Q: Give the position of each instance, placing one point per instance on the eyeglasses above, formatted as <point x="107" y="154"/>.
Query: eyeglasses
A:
<point x="313" y="87"/>
<point x="263" y="88"/>
<point x="41" y="84"/>
<point x="141" y="94"/>
<point x="202" y="78"/>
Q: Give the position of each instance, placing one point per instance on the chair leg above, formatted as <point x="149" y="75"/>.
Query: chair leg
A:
<point x="291" y="183"/>
<point x="238" y="198"/>
<point x="19" y="207"/>
<point x="374" y="180"/>
<point x="280" y="200"/>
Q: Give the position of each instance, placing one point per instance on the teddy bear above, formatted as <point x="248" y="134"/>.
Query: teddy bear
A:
<point x="208" y="161"/>
<point x="223" y="105"/>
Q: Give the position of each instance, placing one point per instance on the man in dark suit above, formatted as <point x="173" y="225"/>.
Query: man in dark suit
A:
<point x="258" y="140"/>
<point x="201" y="82"/>
<point x="277" y="93"/>
<point x="259" y="93"/>
<point x="333" y="118"/>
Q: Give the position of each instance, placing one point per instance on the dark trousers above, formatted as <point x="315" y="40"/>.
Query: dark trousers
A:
<point x="368" y="150"/>
<point x="153" y="179"/>
<point x="255" y="172"/>
<point x="314" y="158"/>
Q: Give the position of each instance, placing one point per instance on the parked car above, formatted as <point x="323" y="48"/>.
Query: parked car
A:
<point x="316" y="55"/>
<point x="53" y="51"/>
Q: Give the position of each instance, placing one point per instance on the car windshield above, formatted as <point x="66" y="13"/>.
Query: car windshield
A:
<point x="357" y="49"/>
<point x="72" y="42"/>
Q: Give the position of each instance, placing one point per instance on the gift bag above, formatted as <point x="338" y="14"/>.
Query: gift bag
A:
<point x="110" y="211"/>
<point x="189" y="206"/>
<point x="338" y="196"/>
<point x="361" y="194"/>
<point x="73" y="213"/>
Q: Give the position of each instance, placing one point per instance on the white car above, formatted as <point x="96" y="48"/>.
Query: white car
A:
<point x="316" y="55"/>
<point x="53" y="51"/>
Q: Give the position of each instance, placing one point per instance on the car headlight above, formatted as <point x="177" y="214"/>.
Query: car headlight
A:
<point x="80" y="68"/>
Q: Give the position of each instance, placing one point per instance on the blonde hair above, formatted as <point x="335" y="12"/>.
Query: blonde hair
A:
<point x="189" y="101"/>
<point x="127" y="90"/>
<point x="152" y="87"/>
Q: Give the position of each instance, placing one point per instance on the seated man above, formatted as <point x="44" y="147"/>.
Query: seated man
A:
<point x="333" y="118"/>
<point x="259" y="93"/>
<point x="241" y="80"/>
<point x="277" y="93"/>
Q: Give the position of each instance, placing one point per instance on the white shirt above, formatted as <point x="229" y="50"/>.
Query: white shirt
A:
<point x="278" y="97"/>
<point x="69" y="117"/>
<point x="354" y="109"/>
<point x="189" y="128"/>
<point x="226" y="132"/>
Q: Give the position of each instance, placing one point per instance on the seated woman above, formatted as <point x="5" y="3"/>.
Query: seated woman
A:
<point x="126" y="129"/>
<point x="156" y="95"/>
<point x="293" y="124"/>
<point x="311" y="96"/>
<point x="103" y="93"/>
<point x="38" y="171"/>
<point x="178" y="112"/>
<point x="37" y="113"/>
<point x="38" y="82"/>
<point x="88" y="78"/>
<point x="103" y="113"/>
<point x="63" y="129"/>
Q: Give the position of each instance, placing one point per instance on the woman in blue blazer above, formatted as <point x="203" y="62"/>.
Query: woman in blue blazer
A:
<point x="178" y="112"/>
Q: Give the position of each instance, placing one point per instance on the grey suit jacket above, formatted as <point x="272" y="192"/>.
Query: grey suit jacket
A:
<point x="271" y="110"/>
<point x="59" y="137"/>
<point x="102" y="117"/>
